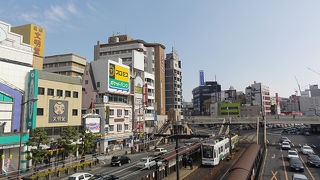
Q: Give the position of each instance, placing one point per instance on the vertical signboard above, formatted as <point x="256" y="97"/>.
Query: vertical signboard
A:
<point x="37" y="39"/>
<point x="32" y="94"/>
<point x="118" y="78"/>
<point x="107" y="114"/>
<point x="146" y="94"/>
<point x="201" y="78"/>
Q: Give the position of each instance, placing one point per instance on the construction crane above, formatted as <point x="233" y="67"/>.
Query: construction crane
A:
<point x="298" y="84"/>
<point x="314" y="71"/>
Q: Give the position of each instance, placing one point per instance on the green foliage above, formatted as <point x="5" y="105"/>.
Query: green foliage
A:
<point x="87" y="140"/>
<point x="38" y="137"/>
<point x="67" y="137"/>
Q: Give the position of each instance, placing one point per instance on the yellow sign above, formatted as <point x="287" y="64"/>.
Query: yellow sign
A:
<point x="37" y="39"/>
<point x="118" y="77"/>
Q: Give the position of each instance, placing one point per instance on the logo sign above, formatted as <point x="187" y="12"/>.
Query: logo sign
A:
<point x="3" y="34"/>
<point x="58" y="111"/>
<point x="93" y="124"/>
<point x="118" y="78"/>
<point x="105" y="99"/>
<point x="32" y="94"/>
<point x="37" y="39"/>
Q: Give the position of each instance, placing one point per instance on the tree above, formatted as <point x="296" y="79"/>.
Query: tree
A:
<point x="87" y="140"/>
<point x="38" y="137"/>
<point x="68" y="136"/>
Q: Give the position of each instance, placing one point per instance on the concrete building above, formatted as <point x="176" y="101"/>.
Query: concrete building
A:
<point x="187" y="109"/>
<point x="310" y="105"/>
<point x="59" y="102"/>
<point x="126" y="48"/>
<point x="289" y="105"/>
<point x="314" y="90"/>
<point x="202" y="93"/>
<point x="173" y="81"/>
<point x="16" y="59"/>
<point x="89" y="90"/>
<point x="65" y="64"/>
<point x="259" y="95"/>
<point x="250" y="111"/>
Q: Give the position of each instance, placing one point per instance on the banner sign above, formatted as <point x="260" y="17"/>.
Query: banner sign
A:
<point x="146" y="94"/>
<point x="32" y="94"/>
<point x="107" y="114"/>
<point x="201" y="78"/>
<point x="118" y="77"/>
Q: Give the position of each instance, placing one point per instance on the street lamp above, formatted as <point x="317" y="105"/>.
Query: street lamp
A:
<point x="21" y="131"/>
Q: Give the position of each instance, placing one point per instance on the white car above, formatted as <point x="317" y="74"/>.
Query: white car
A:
<point x="299" y="177"/>
<point x="80" y="176"/>
<point x="306" y="150"/>
<point x="146" y="163"/>
<point x="285" y="145"/>
<point x="160" y="151"/>
<point x="293" y="154"/>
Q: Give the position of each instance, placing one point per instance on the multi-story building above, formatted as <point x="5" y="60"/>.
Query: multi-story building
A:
<point x="202" y="93"/>
<point x="314" y="90"/>
<point x="59" y="102"/>
<point x="173" y="81"/>
<point x="65" y="64"/>
<point x="16" y="60"/>
<point x="34" y="36"/>
<point x="259" y="95"/>
<point x="127" y="49"/>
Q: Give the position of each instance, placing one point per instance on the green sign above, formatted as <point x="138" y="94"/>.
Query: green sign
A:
<point x="32" y="94"/>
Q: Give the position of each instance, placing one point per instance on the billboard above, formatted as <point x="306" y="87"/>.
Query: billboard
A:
<point x="32" y="94"/>
<point x="201" y="78"/>
<point x="118" y="78"/>
<point x="37" y="39"/>
<point x="93" y="124"/>
<point x="138" y="85"/>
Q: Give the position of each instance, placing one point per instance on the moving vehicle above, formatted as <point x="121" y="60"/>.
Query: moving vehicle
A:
<point x="292" y="154"/>
<point x="296" y="164"/>
<point x="119" y="160"/>
<point x="80" y="176"/>
<point x="299" y="177"/>
<point x="213" y="151"/>
<point x="284" y="139"/>
<point x="104" y="177"/>
<point x="306" y="150"/>
<point x="160" y="151"/>
<point x="285" y="145"/>
<point x="146" y="163"/>
<point x="313" y="160"/>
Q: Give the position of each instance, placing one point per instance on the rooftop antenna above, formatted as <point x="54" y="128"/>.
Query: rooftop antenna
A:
<point x="215" y="78"/>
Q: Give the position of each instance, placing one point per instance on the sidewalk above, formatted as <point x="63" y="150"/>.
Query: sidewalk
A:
<point x="183" y="172"/>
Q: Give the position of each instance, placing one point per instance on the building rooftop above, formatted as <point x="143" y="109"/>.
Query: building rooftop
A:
<point x="59" y="78"/>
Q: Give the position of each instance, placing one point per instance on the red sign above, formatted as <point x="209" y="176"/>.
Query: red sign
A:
<point x="146" y="94"/>
<point x="277" y="98"/>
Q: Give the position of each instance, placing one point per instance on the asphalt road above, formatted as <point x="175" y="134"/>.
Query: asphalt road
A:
<point x="277" y="165"/>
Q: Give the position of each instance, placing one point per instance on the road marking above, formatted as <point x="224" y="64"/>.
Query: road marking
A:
<point x="307" y="168"/>
<point x="292" y="144"/>
<point x="274" y="175"/>
<point x="284" y="166"/>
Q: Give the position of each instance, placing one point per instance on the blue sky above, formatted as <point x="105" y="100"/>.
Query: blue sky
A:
<point x="238" y="41"/>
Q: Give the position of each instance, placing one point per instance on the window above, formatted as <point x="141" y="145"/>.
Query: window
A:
<point x="111" y="127"/>
<point x="83" y="111"/>
<point x="41" y="90"/>
<point x="50" y="92"/>
<point x="119" y="127"/>
<point x="98" y="84"/>
<point x="68" y="94"/>
<point x="126" y="127"/>
<point x="59" y="92"/>
<point x="126" y="112"/>
<point x="111" y="112"/>
<point x="40" y="111"/>
<point x="75" y="94"/>
<point x="74" y="112"/>
<point x="97" y="111"/>
<point x="86" y="82"/>
<point x="86" y="72"/>
<point x="119" y="112"/>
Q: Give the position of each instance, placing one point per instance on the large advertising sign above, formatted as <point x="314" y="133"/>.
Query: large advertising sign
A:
<point x="93" y="124"/>
<point x="58" y="111"/>
<point x="118" y="77"/>
<point x="37" y="39"/>
<point x="138" y="85"/>
<point x="32" y="94"/>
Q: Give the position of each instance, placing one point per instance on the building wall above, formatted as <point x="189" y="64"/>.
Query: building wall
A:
<point x="88" y="89"/>
<point x="160" y="80"/>
<point x="37" y="62"/>
<point x="73" y="103"/>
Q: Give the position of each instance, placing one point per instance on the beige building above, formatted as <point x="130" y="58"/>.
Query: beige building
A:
<point x="65" y="64"/>
<point x="59" y="102"/>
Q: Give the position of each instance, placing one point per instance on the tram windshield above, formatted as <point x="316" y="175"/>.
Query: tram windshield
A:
<point x="207" y="152"/>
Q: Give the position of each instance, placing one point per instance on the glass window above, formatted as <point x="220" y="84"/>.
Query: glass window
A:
<point x="59" y="92"/>
<point x="97" y="111"/>
<point x="74" y="112"/>
<point x="119" y="127"/>
<point x="98" y="84"/>
<point x="126" y="112"/>
<point x="86" y="82"/>
<point x="111" y="127"/>
<point x="111" y="112"/>
<point x="126" y="127"/>
<point x="68" y="94"/>
<point x="119" y="112"/>
<point x="207" y="151"/>
<point x="40" y="111"/>
<point x="41" y="90"/>
<point x="50" y="92"/>
<point x="75" y="94"/>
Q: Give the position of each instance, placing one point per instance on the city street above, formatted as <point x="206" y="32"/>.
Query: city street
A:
<point x="277" y="164"/>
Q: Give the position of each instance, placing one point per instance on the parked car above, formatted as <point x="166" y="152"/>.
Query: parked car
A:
<point x="284" y="139"/>
<point x="119" y="160"/>
<point x="285" y="145"/>
<point x="306" y="150"/>
<point x="296" y="164"/>
<point x="80" y="176"/>
<point x="292" y="154"/>
<point x="104" y="177"/>
<point x="146" y="163"/>
<point x="313" y="160"/>
<point x="299" y="177"/>
<point x="307" y="133"/>
<point x="160" y="151"/>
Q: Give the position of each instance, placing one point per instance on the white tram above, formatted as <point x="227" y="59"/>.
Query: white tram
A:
<point x="215" y="150"/>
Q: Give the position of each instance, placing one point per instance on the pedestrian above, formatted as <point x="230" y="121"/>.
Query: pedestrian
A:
<point x="184" y="161"/>
<point x="190" y="162"/>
